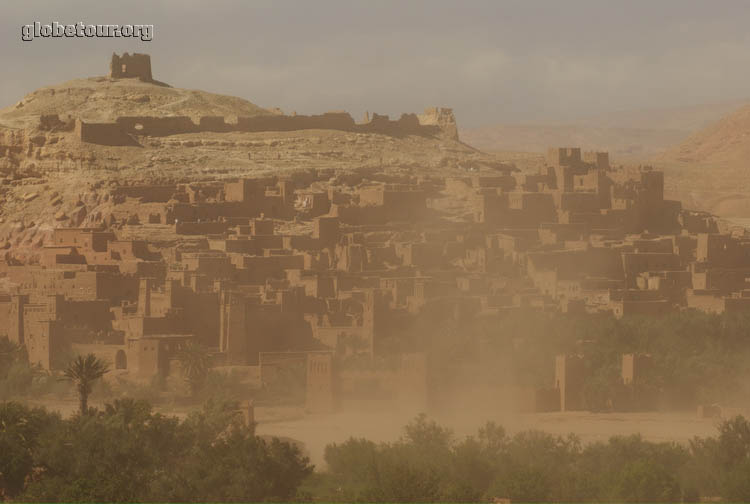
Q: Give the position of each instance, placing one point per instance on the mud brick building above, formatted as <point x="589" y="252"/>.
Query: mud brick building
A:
<point x="326" y="270"/>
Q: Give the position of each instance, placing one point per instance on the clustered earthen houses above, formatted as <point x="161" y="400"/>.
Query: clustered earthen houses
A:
<point x="318" y="268"/>
<point x="579" y="236"/>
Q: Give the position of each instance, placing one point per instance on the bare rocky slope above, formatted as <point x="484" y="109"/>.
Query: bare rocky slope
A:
<point x="102" y="99"/>
<point x="50" y="178"/>
<point x="725" y="142"/>
<point x="710" y="168"/>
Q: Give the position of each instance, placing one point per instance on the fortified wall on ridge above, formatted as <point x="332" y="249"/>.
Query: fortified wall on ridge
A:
<point x="125" y="130"/>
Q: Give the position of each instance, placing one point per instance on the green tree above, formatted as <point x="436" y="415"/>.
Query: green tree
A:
<point x="112" y="456"/>
<point x="352" y="461"/>
<point x="223" y="461"/>
<point x="475" y="462"/>
<point x="127" y="453"/>
<point x="528" y="484"/>
<point x="732" y="455"/>
<point x="647" y="481"/>
<point x="20" y="429"/>
<point x="83" y="371"/>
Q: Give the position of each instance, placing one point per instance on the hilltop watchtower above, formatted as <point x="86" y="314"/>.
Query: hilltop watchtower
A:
<point x="131" y="66"/>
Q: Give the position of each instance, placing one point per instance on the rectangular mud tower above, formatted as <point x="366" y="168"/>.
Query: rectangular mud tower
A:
<point x="320" y="396"/>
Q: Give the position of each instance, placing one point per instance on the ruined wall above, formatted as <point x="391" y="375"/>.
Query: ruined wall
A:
<point x="119" y="132"/>
<point x="213" y="123"/>
<point x="158" y="126"/>
<point x="102" y="134"/>
<point x="330" y="120"/>
<point x="407" y="124"/>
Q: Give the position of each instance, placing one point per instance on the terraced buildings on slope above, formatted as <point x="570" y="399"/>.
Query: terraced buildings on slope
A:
<point x="372" y="253"/>
<point x="316" y="270"/>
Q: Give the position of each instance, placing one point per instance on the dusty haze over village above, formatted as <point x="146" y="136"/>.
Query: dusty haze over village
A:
<point x="387" y="251"/>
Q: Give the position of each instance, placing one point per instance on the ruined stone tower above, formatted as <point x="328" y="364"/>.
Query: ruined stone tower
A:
<point x="131" y="66"/>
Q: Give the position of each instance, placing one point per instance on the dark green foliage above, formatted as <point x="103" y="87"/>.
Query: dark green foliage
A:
<point x="110" y="456"/>
<point x="21" y="430"/>
<point x="127" y="453"/>
<point x="429" y="465"/>
<point x="732" y="454"/>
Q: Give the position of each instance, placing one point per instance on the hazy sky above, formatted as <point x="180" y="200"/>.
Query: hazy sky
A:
<point x="492" y="61"/>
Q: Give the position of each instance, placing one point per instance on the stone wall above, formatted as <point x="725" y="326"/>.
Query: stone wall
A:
<point x="158" y="126"/>
<point x="103" y="134"/>
<point x="124" y="130"/>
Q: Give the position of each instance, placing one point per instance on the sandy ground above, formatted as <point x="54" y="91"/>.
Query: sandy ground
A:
<point x="378" y="423"/>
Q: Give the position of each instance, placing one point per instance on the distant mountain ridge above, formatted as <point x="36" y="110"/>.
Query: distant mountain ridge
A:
<point x="725" y="142"/>
<point x="638" y="134"/>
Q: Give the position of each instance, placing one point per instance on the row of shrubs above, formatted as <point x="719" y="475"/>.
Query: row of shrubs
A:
<point x="125" y="452"/>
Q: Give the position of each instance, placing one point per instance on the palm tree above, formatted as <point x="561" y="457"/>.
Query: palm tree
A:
<point x="83" y="371"/>
<point x="194" y="363"/>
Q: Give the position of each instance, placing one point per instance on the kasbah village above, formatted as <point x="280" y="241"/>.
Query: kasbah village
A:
<point x="298" y="250"/>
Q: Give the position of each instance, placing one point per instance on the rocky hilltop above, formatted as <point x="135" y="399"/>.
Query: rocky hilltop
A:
<point x="54" y="174"/>
<point x="128" y="90"/>
<point x="104" y="99"/>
